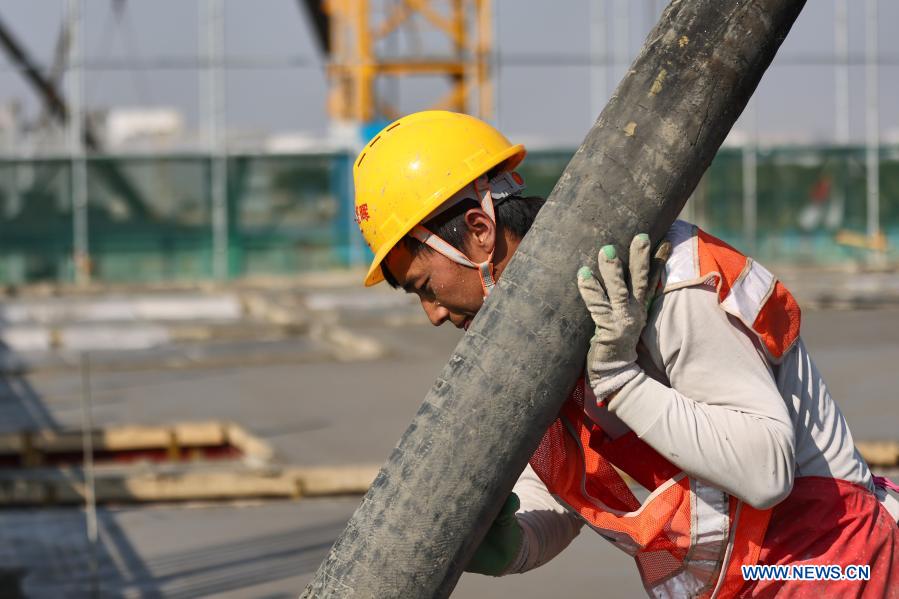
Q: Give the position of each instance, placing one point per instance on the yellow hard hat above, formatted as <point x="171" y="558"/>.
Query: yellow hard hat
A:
<point x="414" y="165"/>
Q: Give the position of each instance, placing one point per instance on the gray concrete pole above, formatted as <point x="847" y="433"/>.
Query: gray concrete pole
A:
<point x="872" y="124"/>
<point x="620" y="38"/>
<point x="598" y="31"/>
<point x="213" y="21"/>
<point x="90" y="490"/>
<point x="444" y="483"/>
<point x="496" y="63"/>
<point x="75" y="142"/>
<point x="841" y="71"/>
<point x="750" y="178"/>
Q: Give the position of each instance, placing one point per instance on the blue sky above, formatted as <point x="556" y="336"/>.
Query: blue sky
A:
<point x="536" y="102"/>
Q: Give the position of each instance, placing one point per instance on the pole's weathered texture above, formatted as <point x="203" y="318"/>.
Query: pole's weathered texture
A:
<point x="444" y="483"/>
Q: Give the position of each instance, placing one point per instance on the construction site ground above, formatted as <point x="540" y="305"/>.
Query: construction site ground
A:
<point x="327" y="395"/>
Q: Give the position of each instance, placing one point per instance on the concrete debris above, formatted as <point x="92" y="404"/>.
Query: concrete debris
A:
<point x="142" y="307"/>
<point x="110" y="337"/>
<point x="66" y="486"/>
<point x="188" y="329"/>
<point x="347" y="346"/>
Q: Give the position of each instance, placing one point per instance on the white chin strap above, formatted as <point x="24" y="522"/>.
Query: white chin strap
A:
<point x="483" y="191"/>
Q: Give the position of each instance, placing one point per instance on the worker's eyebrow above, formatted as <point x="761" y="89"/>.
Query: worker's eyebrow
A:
<point x="409" y="284"/>
<point x="413" y="284"/>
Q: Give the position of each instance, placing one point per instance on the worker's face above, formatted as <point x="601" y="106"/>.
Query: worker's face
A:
<point x="448" y="291"/>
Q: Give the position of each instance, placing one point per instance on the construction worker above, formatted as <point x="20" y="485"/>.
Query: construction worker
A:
<point x="697" y="385"/>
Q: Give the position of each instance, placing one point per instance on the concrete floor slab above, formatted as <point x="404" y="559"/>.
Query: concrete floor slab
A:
<point x="319" y="413"/>
<point x="253" y="550"/>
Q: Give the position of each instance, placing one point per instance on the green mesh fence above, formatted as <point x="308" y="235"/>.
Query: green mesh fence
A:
<point x="811" y="203"/>
<point x="289" y="213"/>
<point x="35" y="221"/>
<point x="158" y="227"/>
<point x="150" y="218"/>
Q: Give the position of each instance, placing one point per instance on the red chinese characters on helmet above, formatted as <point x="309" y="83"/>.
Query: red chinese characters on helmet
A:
<point x="362" y="213"/>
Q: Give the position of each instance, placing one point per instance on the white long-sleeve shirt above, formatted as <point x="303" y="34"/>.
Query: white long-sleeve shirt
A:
<point x="711" y="402"/>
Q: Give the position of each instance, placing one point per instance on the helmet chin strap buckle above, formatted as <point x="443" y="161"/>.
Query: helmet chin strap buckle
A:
<point x="485" y="271"/>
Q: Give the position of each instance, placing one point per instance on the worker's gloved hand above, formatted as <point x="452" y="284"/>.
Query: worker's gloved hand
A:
<point x="501" y="545"/>
<point x="619" y="311"/>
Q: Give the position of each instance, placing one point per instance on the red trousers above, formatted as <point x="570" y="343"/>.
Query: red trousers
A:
<point x="825" y="521"/>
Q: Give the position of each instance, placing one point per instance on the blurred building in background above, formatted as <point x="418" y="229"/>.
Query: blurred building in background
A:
<point x="111" y="170"/>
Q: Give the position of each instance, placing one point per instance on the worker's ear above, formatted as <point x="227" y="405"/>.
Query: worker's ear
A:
<point x="480" y="239"/>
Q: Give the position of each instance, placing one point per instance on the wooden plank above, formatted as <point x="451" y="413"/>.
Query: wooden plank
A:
<point x="879" y="453"/>
<point x="65" y="486"/>
<point x="128" y="438"/>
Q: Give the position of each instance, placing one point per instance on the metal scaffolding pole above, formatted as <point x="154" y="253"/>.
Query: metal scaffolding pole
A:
<point x="841" y="71"/>
<point x="495" y="66"/>
<point x="598" y="33"/>
<point x="872" y="123"/>
<point x="212" y="20"/>
<point x="90" y="490"/>
<point x="750" y="177"/>
<point x="75" y="142"/>
<point x="484" y="53"/>
<point x="621" y="35"/>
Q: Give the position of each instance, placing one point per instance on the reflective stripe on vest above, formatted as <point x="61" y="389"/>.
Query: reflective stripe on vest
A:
<point x="688" y="538"/>
<point x="746" y="289"/>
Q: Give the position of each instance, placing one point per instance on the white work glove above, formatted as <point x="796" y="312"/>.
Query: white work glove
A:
<point x="619" y="311"/>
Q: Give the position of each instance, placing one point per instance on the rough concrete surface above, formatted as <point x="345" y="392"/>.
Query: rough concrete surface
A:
<point x="258" y="550"/>
<point x="320" y="412"/>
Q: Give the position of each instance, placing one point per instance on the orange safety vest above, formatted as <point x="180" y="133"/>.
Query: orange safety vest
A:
<point x="688" y="538"/>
